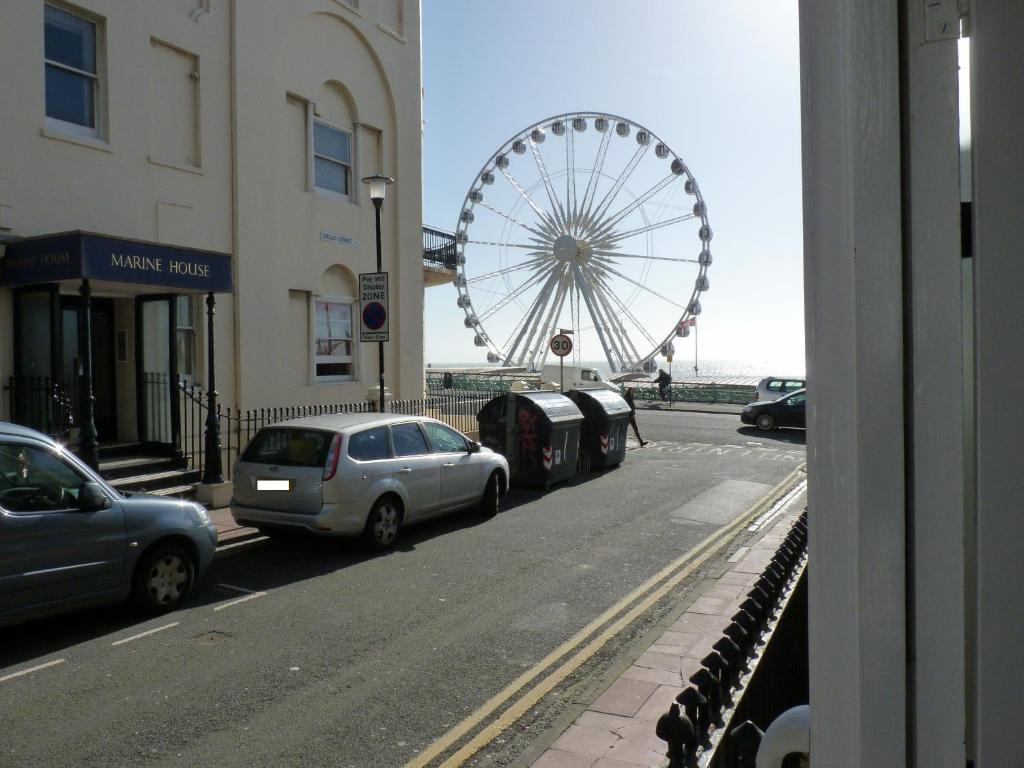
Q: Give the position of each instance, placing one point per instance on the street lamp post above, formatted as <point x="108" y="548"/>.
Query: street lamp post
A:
<point x="378" y="186"/>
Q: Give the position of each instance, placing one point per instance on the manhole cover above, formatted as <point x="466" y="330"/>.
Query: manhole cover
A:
<point x="210" y="638"/>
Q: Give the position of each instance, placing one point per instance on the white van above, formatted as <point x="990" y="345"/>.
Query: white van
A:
<point x="575" y="377"/>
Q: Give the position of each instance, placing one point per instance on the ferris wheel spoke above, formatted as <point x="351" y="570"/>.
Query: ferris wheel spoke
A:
<point x="534" y="263"/>
<point x="537" y="344"/>
<point x="625" y="342"/>
<point x="538" y="246"/>
<point x="608" y="268"/>
<point x="613" y="219"/>
<point x="619" y="183"/>
<point x="530" y="317"/>
<point x="549" y="188"/>
<point x="606" y="254"/>
<point x="543" y="215"/>
<point x="527" y="227"/>
<point x="615" y="327"/>
<point x="625" y="310"/>
<point x="570" y="176"/>
<point x="530" y="282"/>
<point x="595" y="176"/>
<point x="620" y="236"/>
<point x="588" y="298"/>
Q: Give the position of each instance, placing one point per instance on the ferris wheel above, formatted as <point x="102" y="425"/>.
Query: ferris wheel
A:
<point x="587" y="222"/>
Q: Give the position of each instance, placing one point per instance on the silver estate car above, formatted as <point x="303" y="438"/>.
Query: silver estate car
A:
<point x="69" y="540"/>
<point x="362" y="474"/>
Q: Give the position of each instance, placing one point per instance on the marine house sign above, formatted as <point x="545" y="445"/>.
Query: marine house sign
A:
<point x="74" y="255"/>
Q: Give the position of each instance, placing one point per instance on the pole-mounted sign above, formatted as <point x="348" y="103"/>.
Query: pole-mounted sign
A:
<point x="373" y="306"/>
<point x="561" y="345"/>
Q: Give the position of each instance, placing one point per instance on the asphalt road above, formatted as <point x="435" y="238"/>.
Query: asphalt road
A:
<point x="308" y="653"/>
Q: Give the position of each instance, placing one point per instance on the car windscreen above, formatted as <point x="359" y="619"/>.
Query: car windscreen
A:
<point x="289" y="447"/>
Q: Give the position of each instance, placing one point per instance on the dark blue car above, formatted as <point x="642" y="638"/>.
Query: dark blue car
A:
<point x="788" y="411"/>
<point x="68" y="540"/>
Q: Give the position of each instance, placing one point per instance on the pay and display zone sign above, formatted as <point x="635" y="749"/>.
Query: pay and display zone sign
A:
<point x="373" y="306"/>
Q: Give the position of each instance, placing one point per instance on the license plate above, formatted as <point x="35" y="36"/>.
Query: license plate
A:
<point x="273" y="485"/>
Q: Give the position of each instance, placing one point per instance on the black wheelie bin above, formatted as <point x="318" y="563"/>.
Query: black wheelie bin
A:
<point x="603" y="434"/>
<point x="538" y="432"/>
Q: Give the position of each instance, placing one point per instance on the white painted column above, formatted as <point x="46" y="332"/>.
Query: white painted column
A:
<point x="854" y="317"/>
<point x="997" y="127"/>
<point x="934" y="390"/>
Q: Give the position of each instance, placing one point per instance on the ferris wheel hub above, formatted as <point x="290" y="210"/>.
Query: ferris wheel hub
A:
<point x="568" y="249"/>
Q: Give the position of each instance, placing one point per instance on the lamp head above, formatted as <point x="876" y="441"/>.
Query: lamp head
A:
<point x="378" y="185"/>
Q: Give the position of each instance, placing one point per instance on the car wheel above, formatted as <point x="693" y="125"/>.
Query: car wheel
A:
<point x="490" y="503"/>
<point x="383" y="524"/>
<point x="766" y="422"/>
<point x="163" y="577"/>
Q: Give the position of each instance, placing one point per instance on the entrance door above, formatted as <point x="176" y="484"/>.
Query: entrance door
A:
<point x="105" y="414"/>
<point x="155" y="368"/>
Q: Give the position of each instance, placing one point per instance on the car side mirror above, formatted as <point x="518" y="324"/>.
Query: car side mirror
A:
<point x="92" y="498"/>
<point x="474" y="447"/>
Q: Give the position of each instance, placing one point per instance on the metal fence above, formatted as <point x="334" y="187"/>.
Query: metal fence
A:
<point x="695" y="393"/>
<point x="43" y="404"/>
<point x="439" y="248"/>
<point x="238" y="426"/>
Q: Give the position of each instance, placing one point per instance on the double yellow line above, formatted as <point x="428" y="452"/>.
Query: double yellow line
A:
<point x="672" y="575"/>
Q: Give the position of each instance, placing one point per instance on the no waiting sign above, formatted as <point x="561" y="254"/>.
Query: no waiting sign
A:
<point x="373" y="306"/>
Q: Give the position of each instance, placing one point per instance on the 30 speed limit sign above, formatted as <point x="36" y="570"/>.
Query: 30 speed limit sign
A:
<point x="561" y="345"/>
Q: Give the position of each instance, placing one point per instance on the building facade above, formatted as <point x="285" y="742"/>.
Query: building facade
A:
<point x="172" y="155"/>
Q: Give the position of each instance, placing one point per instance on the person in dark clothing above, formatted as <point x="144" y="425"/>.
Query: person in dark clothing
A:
<point x="664" y="381"/>
<point x="632" y="415"/>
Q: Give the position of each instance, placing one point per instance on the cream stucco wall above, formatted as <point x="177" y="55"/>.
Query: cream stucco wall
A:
<point x="241" y="186"/>
<point x="353" y="72"/>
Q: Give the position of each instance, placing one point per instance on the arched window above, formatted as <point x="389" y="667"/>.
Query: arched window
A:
<point x="332" y="316"/>
<point x="332" y="142"/>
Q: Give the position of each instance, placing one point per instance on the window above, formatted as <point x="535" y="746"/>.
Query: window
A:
<point x="332" y="343"/>
<point x="332" y="157"/>
<point x="370" y="445"/>
<point x="445" y="439"/>
<point x="35" y="480"/>
<point x="288" y="447"/>
<point x="408" y="440"/>
<point x="72" y="79"/>
<point x="185" y="337"/>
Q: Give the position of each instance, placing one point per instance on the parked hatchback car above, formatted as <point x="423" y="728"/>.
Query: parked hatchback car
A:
<point x="788" y="411"/>
<point x="365" y="474"/>
<point x="69" y="540"/>
<point x="774" y="387"/>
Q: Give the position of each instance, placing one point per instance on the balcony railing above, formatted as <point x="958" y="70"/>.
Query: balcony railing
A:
<point x="439" y="249"/>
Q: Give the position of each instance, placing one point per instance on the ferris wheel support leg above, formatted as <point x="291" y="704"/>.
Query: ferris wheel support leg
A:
<point x="528" y="317"/>
<point x="584" y="289"/>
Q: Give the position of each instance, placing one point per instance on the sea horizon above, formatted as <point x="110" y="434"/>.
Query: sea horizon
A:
<point x="706" y="369"/>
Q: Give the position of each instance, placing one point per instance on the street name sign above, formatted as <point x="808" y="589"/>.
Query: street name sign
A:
<point x="373" y="306"/>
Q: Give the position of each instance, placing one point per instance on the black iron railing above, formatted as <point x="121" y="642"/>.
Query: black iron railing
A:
<point x="43" y="404"/>
<point x="439" y="248"/>
<point x="238" y="426"/>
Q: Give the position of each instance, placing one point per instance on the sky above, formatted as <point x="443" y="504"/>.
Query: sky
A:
<point x="718" y="82"/>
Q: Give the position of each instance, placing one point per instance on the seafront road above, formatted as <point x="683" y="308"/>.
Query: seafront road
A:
<point x="309" y="653"/>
